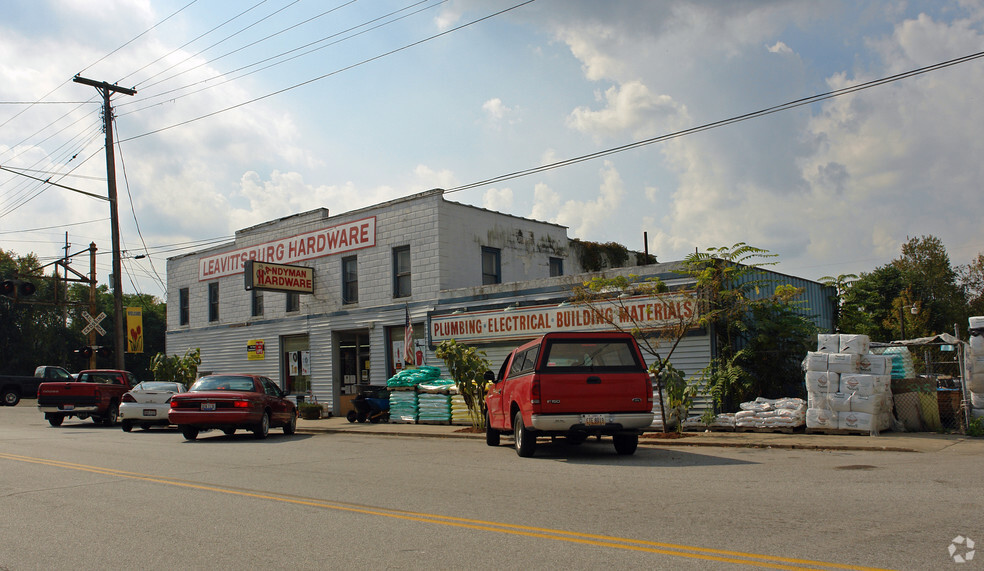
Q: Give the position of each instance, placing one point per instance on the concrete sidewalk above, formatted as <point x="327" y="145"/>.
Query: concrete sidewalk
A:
<point x="888" y="441"/>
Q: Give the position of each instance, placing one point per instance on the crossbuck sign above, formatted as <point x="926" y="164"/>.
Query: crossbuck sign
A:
<point x="93" y="323"/>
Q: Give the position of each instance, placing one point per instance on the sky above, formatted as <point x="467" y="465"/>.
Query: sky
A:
<point x="249" y="111"/>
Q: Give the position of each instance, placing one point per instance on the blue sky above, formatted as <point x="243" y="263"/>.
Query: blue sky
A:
<point x="832" y="188"/>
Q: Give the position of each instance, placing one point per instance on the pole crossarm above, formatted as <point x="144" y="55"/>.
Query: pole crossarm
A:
<point x="104" y="86"/>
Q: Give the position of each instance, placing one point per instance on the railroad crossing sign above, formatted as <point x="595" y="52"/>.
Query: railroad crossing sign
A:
<point x="93" y="323"/>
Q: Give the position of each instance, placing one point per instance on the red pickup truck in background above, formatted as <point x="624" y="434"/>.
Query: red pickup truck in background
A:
<point x="95" y="393"/>
<point x="574" y="385"/>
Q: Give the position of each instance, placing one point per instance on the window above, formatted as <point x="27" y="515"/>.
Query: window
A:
<point x="257" y="303"/>
<point x="401" y="271"/>
<point x="556" y="267"/>
<point x="350" y="280"/>
<point x="491" y="266"/>
<point x="213" y="301"/>
<point x="183" y="306"/>
<point x="293" y="301"/>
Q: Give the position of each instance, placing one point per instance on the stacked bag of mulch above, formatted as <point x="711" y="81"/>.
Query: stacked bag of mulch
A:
<point x="459" y="410"/>
<point x="847" y="387"/>
<point x="975" y="367"/>
<point x="771" y="414"/>
<point x="403" y="407"/>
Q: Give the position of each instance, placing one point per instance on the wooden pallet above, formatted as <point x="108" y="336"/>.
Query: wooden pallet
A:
<point x="439" y="422"/>
<point x="838" y="431"/>
<point x="779" y="429"/>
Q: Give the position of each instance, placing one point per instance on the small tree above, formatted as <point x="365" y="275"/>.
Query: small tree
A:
<point x="467" y="366"/>
<point x="174" y="368"/>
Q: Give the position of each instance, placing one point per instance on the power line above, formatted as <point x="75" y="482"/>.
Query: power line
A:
<point x="730" y="121"/>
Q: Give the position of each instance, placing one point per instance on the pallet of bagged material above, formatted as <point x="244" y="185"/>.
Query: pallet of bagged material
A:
<point x="838" y="431"/>
<point x="764" y="429"/>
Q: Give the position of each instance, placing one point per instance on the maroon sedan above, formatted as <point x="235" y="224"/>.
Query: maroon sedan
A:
<point x="231" y="402"/>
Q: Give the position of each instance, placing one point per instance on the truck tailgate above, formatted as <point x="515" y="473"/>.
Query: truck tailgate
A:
<point x="593" y="393"/>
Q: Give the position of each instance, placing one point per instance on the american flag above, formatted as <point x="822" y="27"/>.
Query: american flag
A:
<point x="408" y="359"/>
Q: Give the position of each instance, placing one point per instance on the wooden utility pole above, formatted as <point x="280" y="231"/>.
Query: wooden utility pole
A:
<point x="106" y="90"/>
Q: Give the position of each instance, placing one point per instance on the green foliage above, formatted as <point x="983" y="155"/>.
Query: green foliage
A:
<point x="595" y="256"/>
<point x="976" y="427"/>
<point x="174" y="368"/>
<point x="467" y="367"/>
<point x="727" y="380"/>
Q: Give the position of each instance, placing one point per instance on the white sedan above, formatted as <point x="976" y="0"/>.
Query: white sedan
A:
<point x="147" y="404"/>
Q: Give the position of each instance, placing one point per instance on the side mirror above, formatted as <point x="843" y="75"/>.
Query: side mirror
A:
<point x="489" y="376"/>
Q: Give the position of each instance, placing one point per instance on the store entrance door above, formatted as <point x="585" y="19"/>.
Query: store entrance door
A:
<point x="353" y="350"/>
<point x="295" y="366"/>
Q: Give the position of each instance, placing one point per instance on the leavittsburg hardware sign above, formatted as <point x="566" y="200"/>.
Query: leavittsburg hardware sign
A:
<point x="646" y="313"/>
<point x="325" y="242"/>
<point x="278" y="277"/>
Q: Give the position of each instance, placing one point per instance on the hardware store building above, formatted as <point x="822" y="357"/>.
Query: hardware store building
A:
<point x="320" y="303"/>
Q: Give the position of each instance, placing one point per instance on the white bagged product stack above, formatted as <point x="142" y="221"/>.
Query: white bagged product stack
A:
<point x="771" y="414"/>
<point x="847" y="387"/>
<point x="975" y="366"/>
<point x="673" y="415"/>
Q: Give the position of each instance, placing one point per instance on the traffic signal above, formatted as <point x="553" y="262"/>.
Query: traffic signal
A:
<point x="105" y="351"/>
<point x="14" y="288"/>
<point x="86" y="352"/>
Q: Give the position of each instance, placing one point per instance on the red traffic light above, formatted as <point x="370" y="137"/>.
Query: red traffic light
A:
<point x="8" y="287"/>
<point x="17" y="287"/>
<point x="86" y="352"/>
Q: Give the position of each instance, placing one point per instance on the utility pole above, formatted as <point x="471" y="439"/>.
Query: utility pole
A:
<point x="106" y="90"/>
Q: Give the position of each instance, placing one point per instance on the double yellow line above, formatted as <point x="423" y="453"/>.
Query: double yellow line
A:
<point x="685" y="551"/>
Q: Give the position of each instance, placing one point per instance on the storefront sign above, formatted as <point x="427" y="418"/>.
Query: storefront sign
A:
<point x="325" y="242"/>
<point x="646" y="313"/>
<point x="278" y="277"/>
<point x="255" y="350"/>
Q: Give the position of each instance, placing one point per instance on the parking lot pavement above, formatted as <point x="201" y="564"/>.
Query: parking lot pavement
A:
<point x="887" y="441"/>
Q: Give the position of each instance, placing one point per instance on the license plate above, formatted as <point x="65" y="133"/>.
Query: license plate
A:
<point x="593" y="420"/>
<point x="68" y="407"/>
<point x="150" y="412"/>
<point x="208" y="406"/>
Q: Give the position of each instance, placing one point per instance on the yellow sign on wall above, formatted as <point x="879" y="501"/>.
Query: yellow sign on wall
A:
<point x="255" y="350"/>
<point x="134" y="329"/>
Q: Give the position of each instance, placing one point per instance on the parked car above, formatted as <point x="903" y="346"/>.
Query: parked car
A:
<point x="230" y="402"/>
<point x="147" y="404"/>
<point x="573" y="385"/>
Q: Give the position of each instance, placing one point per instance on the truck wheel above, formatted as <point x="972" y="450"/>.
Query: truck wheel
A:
<point x="11" y="397"/>
<point x="261" y="430"/>
<point x="112" y="415"/>
<point x="525" y="439"/>
<point x="626" y="444"/>
<point x="54" y="419"/>
<point x="126" y="425"/>
<point x="491" y="434"/>
<point x="189" y="432"/>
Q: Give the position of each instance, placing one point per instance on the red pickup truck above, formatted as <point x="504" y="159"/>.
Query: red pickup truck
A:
<point x="574" y="385"/>
<point x="96" y="393"/>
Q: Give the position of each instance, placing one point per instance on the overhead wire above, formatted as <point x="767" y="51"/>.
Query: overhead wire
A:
<point x="721" y="123"/>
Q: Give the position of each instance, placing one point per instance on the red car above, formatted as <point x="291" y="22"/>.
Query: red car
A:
<point x="231" y="402"/>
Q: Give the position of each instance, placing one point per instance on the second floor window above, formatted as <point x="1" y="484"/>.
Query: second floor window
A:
<point x="213" y="301"/>
<point x="491" y="266"/>
<point x="401" y="271"/>
<point x="556" y="267"/>
<point x="183" y="311"/>
<point x="350" y="280"/>
<point x="293" y="302"/>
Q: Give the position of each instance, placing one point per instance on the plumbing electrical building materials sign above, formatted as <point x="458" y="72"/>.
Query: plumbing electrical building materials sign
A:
<point x="316" y="244"/>
<point x="646" y="313"/>
<point x="278" y="277"/>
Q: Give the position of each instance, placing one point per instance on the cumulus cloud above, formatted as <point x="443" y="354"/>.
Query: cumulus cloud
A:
<point x="499" y="199"/>
<point x="779" y="48"/>
<point x="585" y="218"/>
<point x="630" y="108"/>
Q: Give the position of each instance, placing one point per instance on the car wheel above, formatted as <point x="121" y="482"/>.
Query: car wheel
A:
<point x="189" y="432"/>
<point x="626" y="444"/>
<point x="10" y="397"/>
<point x="352" y="416"/>
<point x="54" y="419"/>
<point x="263" y="428"/>
<point x="291" y="425"/>
<point x="126" y="425"/>
<point x="228" y="431"/>
<point x="525" y="439"/>
<point x="491" y="434"/>
<point x="112" y="415"/>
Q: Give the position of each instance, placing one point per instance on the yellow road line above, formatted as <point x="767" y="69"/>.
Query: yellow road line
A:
<point x="686" y="551"/>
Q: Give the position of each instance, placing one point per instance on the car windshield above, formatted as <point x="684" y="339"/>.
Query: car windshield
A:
<point x="157" y="386"/>
<point x="223" y="383"/>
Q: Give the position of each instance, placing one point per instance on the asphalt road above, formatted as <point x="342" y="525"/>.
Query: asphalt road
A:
<point x="84" y="496"/>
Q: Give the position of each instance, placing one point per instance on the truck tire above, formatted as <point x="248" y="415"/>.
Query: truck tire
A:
<point x="112" y="415"/>
<point x="491" y="434"/>
<point x="261" y="430"/>
<point x="10" y="397"/>
<point x="626" y="444"/>
<point x="525" y="439"/>
<point x="54" y="419"/>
